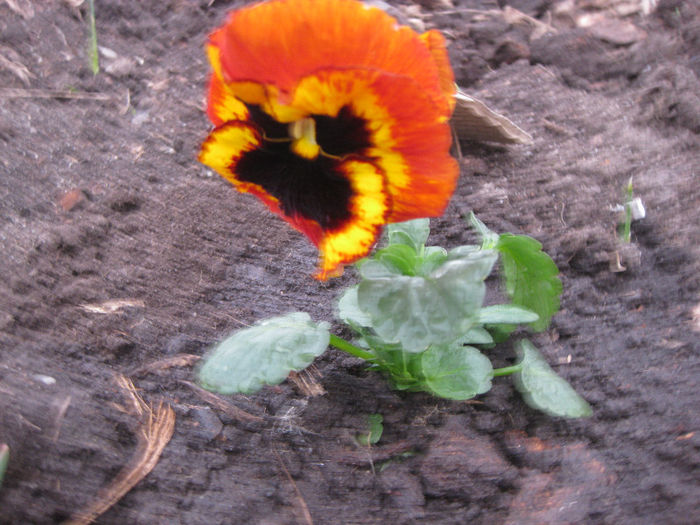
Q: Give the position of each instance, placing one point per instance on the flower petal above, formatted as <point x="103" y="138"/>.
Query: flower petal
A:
<point x="335" y="117"/>
<point x="225" y="146"/>
<point x="435" y="42"/>
<point x="281" y="41"/>
<point x="222" y="103"/>
<point x="409" y="138"/>
<point x="340" y="205"/>
<point x="369" y="206"/>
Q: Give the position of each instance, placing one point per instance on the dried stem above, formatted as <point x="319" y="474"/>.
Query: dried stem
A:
<point x="155" y="430"/>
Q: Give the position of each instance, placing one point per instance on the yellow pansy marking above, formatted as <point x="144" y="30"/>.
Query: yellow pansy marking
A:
<point x="226" y="145"/>
<point x="369" y="206"/>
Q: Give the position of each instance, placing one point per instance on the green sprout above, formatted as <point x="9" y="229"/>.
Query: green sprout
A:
<point x="633" y="210"/>
<point x="418" y="317"/>
<point x="4" y="460"/>
<point x="374" y="431"/>
<point x="93" y="52"/>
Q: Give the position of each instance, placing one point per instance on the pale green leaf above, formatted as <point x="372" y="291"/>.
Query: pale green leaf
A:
<point x="433" y="257"/>
<point x="456" y="371"/>
<point x="263" y="354"/>
<point x="543" y="389"/>
<point x="477" y="336"/>
<point x="411" y="233"/>
<point x="349" y="311"/>
<point x="419" y="311"/>
<point x="489" y="239"/>
<point x="506" y="313"/>
<point x="398" y="258"/>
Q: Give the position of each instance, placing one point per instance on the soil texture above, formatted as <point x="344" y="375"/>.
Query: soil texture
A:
<point x="123" y="257"/>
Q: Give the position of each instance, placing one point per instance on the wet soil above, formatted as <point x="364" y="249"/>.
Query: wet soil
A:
<point x="121" y="255"/>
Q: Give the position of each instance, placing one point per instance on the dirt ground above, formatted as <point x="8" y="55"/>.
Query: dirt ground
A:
<point x="122" y="255"/>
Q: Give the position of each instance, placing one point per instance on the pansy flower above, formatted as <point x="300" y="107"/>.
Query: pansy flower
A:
<point x="335" y="116"/>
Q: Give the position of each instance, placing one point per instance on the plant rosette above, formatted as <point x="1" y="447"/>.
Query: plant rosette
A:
<point x="418" y="317"/>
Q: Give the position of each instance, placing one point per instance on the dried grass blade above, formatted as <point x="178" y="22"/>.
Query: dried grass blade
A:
<point x="156" y="429"/>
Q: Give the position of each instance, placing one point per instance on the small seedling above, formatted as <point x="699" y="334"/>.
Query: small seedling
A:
<point x="633" y="210"/>
<point x="4" y="460"/>
<point x="93" y="52"/>
<point x="373" y="433"/>
<point x="419" y="319"/>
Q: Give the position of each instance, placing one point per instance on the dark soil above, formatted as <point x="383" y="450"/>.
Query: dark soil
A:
<point x="102" y="199"/>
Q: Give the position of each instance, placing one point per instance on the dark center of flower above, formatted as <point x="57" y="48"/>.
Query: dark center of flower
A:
<point x="314" y="188"/>
<point x="342" y="135"/>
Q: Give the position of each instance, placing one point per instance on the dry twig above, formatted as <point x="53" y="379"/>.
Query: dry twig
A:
<point x="226" y="407"/>
<point x="176" y="361"/>
<point x="303" y="507"/>
<point x="307" y="381"/>
<point x="11" y="61"/>
<point x="52" y="93"/>
<point x="156" y="429"/>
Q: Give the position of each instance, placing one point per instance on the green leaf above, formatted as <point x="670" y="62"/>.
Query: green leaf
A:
<point x="476" y="336"/>
<point x="374" y="434"/>
<point x="489" y="239"/>
<point x="349" y="311"/>
<point x="500" y="332"/>
<point x="506" y="313"/>
<point x="373" y="269"/>
<point x="398" y="258"/>
<point x="543" y="389"/>
<point x="411" y="233"/>
<point x="530" y="277"/>
<point x="4" y="460"/>
<point x="419" y="311"/>
<point x="433" y="257"/>
<point x="456" y="371"/>
<point x="263" y="354"/>
<point x="460" y="252"/>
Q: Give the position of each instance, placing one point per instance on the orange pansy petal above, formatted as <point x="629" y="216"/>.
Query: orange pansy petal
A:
<point x="421" y="139"/>
<point x="369" y="207"/>
<point x="281" y="41"/>
<point x="438" y="49"/>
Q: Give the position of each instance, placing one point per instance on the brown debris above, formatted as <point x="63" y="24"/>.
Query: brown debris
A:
<point x="155" y="430"/>
<point x="52" y="93"/>
<point x="221" y="404"/>
<point x="307" y="381"/>
<point x="176" y="361"/>
<point x="474" y="120"/>
<point x="71" y="199"/>
<point x="10" y="60"/>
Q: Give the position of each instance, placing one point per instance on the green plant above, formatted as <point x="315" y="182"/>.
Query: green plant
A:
<point x="4" y="460"/>
<point x="373" y="434"/>
<point x="93" y="52"/>
<point x="632" y="209"/>
<point x="418" y="317"/>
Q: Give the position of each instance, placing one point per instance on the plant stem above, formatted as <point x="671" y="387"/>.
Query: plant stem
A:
<point x="93" y="52"/>
<point x="626" y="226"/>
<point x="497" y="372"/>
<point x="346" y="346"/>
